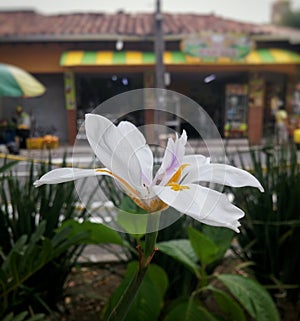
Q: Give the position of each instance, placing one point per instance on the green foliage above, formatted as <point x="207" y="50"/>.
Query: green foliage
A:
<point x="23" y="316"/>
<point x="7" y="165"/>
<point x="27" y="257"/>
<point x="222" y="237"/>
<point x="204" y="251"/>
<point x="149" y="300"/>
<point x="39" y="240"/>
<point x="270" y="231"/>
<point x="182" y="278"/>
<point x="206" y="295"/>
<point x="189" y="310"/>
<point x="253" y="297"/>
<point x="291" y="19"/>
<point x="230" y="308"/>
<point x="95" y="233"/>
<point x="182" y="251"/>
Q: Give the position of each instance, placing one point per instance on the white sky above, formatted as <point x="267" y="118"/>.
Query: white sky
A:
<point x="243" y="10"/>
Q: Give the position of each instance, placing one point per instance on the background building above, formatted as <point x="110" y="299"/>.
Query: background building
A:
<point x="236" y="71"/>
<point x="279" y="9"/>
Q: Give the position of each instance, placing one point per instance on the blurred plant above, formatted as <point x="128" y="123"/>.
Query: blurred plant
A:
<point x="23" y="209"/>
<point x="215" y="295"/>
<point x="23" y="317"/>
<point x="270" y="233"/>
<point x="291" y="19"/>
<point x="41" y="238"/>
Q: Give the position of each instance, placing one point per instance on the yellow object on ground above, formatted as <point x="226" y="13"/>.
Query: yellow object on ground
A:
<point x="297" y="136"/>
<point x="51" y="141"/>
<point x="35" y="143"/>
<point x="48" y="141"/>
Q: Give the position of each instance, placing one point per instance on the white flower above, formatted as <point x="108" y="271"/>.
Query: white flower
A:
<point x="128" y="159"/>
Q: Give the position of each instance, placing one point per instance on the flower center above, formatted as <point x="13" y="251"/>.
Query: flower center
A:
<point x="155" y="204"/>
<point x="177" y="187"/>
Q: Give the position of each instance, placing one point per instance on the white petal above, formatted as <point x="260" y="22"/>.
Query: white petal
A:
<point x="127" y="127"/>
<point x="221" y="174"/>
<point x="143" y="151"/>
<point x="196" y="160"/>
<point x="115" y="150"/>
<point x="172" y="159"/>
<point x="62" y="175"/>
<point x="193" y="162"/>
<point x="98" y="130"/>
<point x="203" y="204"/>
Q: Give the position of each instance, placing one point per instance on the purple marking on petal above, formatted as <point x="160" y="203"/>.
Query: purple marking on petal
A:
<point x="145" y="180"/>
<point x="173" y="166"/>
<point x="172" y="159"/>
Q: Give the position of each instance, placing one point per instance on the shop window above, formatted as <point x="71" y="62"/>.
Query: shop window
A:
<point x="236" y="110"/>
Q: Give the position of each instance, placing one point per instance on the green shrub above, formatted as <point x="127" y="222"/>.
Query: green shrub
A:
<point x="214" y="296"/>
<point x="270" y="231"/>
<point x="35" y="260"/>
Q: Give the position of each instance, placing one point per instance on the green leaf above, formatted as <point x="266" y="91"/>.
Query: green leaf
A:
<point x="231" y="309"/>
<point x="158" y="277"/>
<point x="220" y="236"/>
<point x="8" y="317"/>
<point x="190" y="310"/>
<point x="115" y="297"/>
<point x="21" y="317"/>
<point x="253" y="297"/>
<point x="205" y="249"/>
<point x="8" y="165"/>
<point x="96" y="233"/>
<point x="38" y="317"/>
<point x="18" y="248"/>
<point x="39" y="232"/>
<point x="149" y="300"/>
<point x="182" y="251"/>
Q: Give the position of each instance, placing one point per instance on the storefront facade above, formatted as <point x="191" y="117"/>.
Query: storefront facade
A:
<point x="237" y="96"/>
<point x="82" y="70"/>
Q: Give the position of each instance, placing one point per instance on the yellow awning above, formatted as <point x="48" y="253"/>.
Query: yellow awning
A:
<point x="112" y="58"/>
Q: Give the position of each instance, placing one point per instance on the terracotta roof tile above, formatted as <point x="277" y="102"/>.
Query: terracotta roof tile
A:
<point x="30" y="23"/>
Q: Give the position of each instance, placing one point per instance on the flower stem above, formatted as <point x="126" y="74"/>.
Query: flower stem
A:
<point x="121" y="309"/>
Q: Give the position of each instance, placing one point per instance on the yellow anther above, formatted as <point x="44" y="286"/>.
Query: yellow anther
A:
<point x="178" y="187"/>
<point x="176" y="177"/>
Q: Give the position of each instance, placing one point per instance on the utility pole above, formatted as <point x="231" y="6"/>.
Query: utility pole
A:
<point x="159" y="48"/>
<point x="152" y="115"/>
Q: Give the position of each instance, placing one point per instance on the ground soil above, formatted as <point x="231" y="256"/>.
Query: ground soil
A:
<point x="87" y="290"/>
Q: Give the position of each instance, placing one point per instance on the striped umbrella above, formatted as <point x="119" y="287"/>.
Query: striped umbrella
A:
<point x="16" y="82"/>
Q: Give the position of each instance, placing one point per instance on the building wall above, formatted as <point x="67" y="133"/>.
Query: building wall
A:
<point x="279" y="9"/>
<point x="34" y="58"/>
